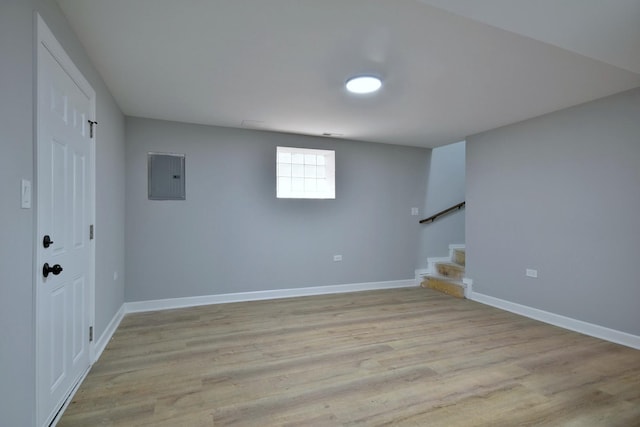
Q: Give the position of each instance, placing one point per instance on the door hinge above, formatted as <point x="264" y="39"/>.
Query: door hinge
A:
<point x="90" y="333"/>
<point x="91" y="125"/>
<point x="91" y="232"/>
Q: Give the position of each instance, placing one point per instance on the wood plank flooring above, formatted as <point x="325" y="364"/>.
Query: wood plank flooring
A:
<point x="401" y="357"/>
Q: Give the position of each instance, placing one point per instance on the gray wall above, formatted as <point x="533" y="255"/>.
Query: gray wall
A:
<point x="560" y="194"/>
<point x="233" y="235"/>
<point x="445" y="188"/>
<point x="17" y="359"/>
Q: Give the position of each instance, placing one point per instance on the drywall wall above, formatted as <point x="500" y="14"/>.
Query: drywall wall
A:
<point x="17" y="67"/>
<point x="232" y="234"/>
<point x="110" y="211"/>
<point x="560" y="194"/>
<point x="445" y="188"/>
<point x="17" y="362"/>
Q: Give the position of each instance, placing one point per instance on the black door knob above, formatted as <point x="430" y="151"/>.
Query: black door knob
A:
<point x="46" y="241"/>
<point x="46" y="269"/>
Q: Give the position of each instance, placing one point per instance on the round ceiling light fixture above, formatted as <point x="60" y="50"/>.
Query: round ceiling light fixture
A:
<point x="363" y="84"/>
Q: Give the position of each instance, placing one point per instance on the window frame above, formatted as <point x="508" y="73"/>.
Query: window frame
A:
<point x="305" y="173"/>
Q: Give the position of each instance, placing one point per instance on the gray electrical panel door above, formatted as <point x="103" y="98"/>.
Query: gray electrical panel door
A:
<point x="166" y="176"/>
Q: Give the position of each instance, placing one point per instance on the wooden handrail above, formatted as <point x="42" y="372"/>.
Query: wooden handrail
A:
<point x="444" y="212"/>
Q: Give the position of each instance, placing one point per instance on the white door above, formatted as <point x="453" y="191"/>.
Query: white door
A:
<point x="65" y="209"/>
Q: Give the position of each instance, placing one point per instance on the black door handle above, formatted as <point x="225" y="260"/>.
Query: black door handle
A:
<point x="46" y="269"/>
<point x="46" y="241"/>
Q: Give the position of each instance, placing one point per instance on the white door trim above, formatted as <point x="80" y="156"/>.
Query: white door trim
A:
<point x="46" y="40"/>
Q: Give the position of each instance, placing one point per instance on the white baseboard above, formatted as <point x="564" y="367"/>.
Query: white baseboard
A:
<point x="102" y="342"/>
<point x="468" y="287"/>
<point x="165" y="304"/>
<point x="586" y="328"/>
<point x="419" y="275"/>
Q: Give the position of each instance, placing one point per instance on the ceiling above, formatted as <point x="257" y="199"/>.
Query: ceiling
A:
<point x="450" y="68"/>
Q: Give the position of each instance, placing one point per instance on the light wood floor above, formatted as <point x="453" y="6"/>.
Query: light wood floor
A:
<point x="395" y="357"/>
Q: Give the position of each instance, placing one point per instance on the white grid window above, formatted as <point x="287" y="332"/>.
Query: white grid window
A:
<point x="305" y="173"/>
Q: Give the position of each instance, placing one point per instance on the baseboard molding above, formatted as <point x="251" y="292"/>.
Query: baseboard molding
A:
<point x="102" y="342"/>
<point x="171" y="303"/>
<point x="468" y="287"/>
<point x="419" y="275"/>
<point x="585" y="328"/>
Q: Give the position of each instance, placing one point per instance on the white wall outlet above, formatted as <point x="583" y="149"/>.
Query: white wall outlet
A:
<point x="25" y="194"/>
<point x="414" y="211"/>
<point x="115" y="275"/>
<point x="337" y="257"/>
<point x="531" y="273"/>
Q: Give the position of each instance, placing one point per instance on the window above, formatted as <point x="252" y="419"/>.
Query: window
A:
<point x="305" y="173"/>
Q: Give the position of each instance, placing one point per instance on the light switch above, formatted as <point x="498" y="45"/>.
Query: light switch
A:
<point x="414" y="211"/>
<point x="25" y="194"/>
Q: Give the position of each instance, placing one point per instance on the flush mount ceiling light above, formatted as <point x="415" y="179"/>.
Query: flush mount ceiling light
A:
<point x="363" y="84"/>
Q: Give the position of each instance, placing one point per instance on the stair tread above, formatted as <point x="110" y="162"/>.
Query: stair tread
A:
<point x="445" y="279"/>
<point x="447" y="275"/>
<point x="459" y="256"/>
<point x="449" y="269"/>
<point x="452" y="264"/>
<point x="444" y="285"/>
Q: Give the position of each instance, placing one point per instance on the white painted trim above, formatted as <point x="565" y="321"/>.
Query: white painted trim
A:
<point x="420" y="274"/>
<point x="468" y="287"/>
<point x="104" y="339"/>
<point x="166" y="304"/>
<point x="433" y="260"/>
<point x="586" y="328"/>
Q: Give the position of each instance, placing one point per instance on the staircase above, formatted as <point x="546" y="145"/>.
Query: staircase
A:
<point x="446" y="274"/>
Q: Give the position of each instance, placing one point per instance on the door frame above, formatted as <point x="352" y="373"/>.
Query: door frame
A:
<point x="44" y="39"/>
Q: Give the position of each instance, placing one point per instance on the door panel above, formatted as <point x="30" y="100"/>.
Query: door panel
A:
<point x="79" y="313"/>
<point x="79" y="222"/>
<point x="56" y="337"/>
<point x="57" y="183"/>
<point x="65" y="176"/>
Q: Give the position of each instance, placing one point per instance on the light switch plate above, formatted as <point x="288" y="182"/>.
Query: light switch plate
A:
<point x="25" y="194"/>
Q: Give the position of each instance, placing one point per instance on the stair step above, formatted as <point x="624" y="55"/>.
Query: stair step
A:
<point x="443" y="285"/>
<point x="459" y="256"/>
<point x="450" y="270"/>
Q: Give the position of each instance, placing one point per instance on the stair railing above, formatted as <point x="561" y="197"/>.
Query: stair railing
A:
<point x="444" y="212"/>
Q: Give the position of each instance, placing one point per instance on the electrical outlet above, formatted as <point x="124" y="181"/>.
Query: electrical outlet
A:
<point x="531" y="273"/>
<point x="337" y="257"/>
<point x="414" y="211"/>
